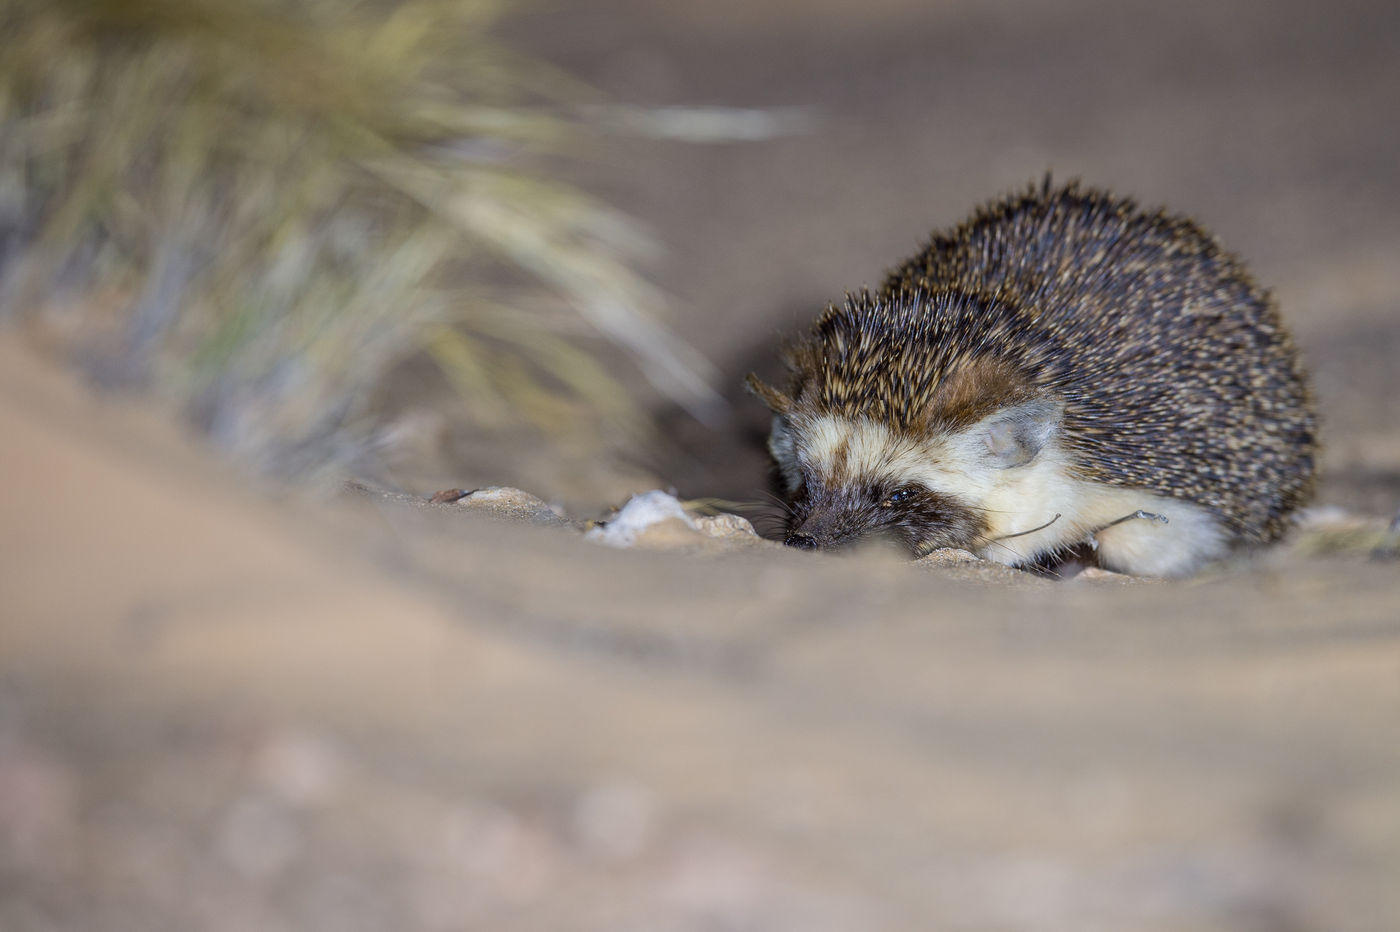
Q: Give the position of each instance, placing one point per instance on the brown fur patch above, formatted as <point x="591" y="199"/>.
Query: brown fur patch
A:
<point x="839" y="470"/>
<point x="974" y="390"/>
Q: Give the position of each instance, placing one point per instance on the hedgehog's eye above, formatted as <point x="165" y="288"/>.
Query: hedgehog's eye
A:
<point x="897" y="497"/>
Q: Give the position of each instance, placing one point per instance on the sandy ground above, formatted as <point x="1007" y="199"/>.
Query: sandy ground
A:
<point x="225" y="709"/>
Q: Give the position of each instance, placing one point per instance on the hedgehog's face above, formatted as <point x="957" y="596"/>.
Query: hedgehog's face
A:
<point x="851" y="479"/>
<point x="850" y="482"/>
<point x="830" y="516"/>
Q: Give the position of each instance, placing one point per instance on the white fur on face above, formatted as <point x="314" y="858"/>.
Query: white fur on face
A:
<point x="1017" y="499"/>
<point x="831" y="444"/>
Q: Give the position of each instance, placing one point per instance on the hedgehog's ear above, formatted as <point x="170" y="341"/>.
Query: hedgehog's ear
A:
<point x="784" y="449"/>
<point x="1015" y="435"/>
<point x="776" y="401"/>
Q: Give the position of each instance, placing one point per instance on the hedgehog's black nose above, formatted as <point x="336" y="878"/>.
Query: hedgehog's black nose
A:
<point x="801" y="541"/>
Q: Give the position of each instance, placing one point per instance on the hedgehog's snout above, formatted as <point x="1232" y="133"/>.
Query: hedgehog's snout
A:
<point x="837" y="536"/>
<point x="813" y="528"/>
<point x="809" y="535"/>
<point x="820" y="524"/>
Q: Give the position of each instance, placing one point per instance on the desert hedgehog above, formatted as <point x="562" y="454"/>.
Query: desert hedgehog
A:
<point x="1063" y="369"/>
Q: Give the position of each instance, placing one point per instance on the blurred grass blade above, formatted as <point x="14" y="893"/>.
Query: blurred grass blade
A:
<point x="261" y="208"/>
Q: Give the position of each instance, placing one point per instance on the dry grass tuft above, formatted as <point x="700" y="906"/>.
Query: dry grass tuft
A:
<point x="260" y="207"/>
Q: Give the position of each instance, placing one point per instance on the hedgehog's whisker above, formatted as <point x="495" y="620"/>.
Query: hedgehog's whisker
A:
<point x="1042" y="527"/>
<point x="1161" y="519"/>
<point x="996" y="542"/>
<point x="771" y="500"/>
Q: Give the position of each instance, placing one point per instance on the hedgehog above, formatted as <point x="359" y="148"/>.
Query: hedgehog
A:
<point x="1062" y="373"/>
